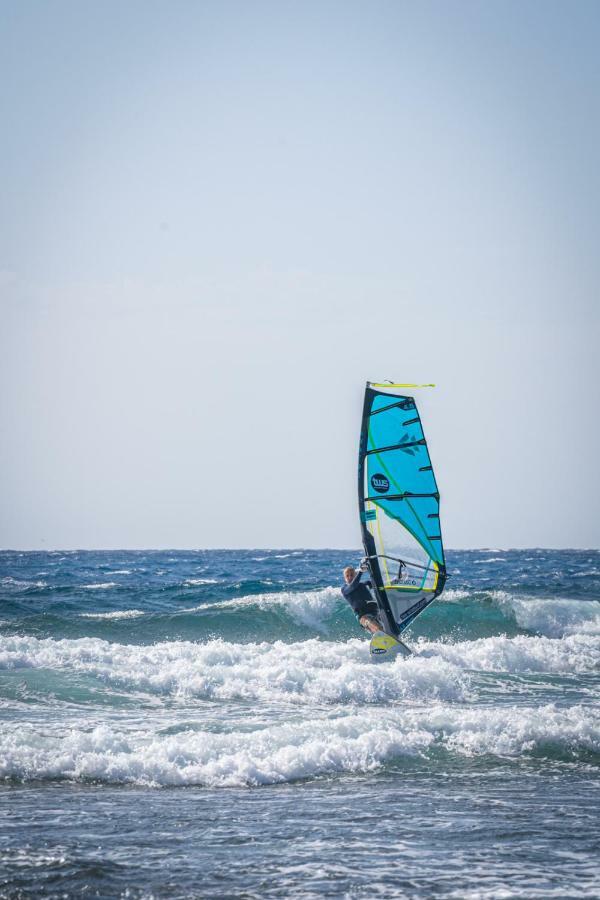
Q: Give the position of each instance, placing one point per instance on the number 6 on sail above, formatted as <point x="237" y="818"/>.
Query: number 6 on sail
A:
<point x="399" y="506"/>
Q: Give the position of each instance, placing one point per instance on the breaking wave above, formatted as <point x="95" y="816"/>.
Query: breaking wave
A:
<point x="354" y="743"/>
<point x="306" y="672"/>
<point x="291" y="615"/>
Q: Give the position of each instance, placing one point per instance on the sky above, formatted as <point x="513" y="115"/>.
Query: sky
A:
<point x="218" y="220"/>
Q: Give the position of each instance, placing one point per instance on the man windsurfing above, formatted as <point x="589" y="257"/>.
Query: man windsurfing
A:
<point x="358" y="595"/>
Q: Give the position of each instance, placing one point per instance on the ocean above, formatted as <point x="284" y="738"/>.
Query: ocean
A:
<point x="203" y="723"/>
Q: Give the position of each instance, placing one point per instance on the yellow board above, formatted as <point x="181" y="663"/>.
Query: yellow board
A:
<point x="384" y="646"/>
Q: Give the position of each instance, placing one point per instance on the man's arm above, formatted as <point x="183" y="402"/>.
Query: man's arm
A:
<point x="364" y="567"/>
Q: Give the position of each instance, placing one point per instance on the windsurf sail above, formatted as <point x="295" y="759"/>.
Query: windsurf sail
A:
<point x="399" y="506"/>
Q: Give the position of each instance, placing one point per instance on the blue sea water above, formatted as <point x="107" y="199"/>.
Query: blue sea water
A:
<point x="209" y="724"/>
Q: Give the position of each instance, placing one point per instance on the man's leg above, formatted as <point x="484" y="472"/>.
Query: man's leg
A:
<point x="370" y="624"/>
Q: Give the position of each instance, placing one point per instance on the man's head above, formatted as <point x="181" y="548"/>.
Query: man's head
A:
<point x="349" y="573"/>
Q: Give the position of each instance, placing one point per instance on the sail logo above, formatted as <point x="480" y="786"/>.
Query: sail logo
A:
<point x="410" y="442"/>
<point x="380" y="483"/>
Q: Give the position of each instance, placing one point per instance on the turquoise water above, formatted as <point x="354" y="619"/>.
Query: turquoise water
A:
<point x="209" y="724"/>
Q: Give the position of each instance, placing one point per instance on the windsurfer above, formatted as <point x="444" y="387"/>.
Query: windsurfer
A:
<point x="358" y="595"/>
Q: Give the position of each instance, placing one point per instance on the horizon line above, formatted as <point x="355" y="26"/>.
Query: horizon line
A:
<point x="483" y="549"/>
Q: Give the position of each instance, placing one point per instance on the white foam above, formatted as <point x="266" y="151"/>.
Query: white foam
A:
<point x="319" y="746"/>
<point x="515" y="731"/>
<point x="118" y="614"/>
<point x="454" y="596"/>
<point x="24" y="585"/>
<point x="263" y="756"/>
<point x="19" y="858"/>
<point x="575" y="654"/>
<point x="105" y="585"/>
<point x="548" y="616"/>
<point x="312" y="608"/>
<point x="552" y="617"/>
<point x="192" y="582"/>
<point x="302" y="673"/>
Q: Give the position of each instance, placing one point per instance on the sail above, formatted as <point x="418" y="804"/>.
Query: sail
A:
<point x="399" y="508"/>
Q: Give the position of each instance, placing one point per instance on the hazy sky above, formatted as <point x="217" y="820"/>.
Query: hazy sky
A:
<point x="219" y="219"/>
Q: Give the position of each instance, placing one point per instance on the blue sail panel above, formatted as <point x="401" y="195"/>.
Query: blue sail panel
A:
<point x="399" y="508"/>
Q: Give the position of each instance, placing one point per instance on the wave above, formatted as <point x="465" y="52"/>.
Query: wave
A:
<point x="547" y="616"/>
<point x="293" y="615"/>
<point x="312" y="608"/>
<point x="303" y="673"/>
<point x="554" y="617"/>
<point x="18" y="585"/>
<point x="320" y="610"/>
<point x="574" y="654"/>
<point x="324" y="746"/>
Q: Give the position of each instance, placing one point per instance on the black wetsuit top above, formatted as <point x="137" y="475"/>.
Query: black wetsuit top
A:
<point x="359" y="597"/>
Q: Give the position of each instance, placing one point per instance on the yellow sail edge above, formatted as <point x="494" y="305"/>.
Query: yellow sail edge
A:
<point x="388" y="385"/>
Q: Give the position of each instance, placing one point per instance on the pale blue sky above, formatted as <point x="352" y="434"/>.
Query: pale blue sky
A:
<point x="218" y="220"/>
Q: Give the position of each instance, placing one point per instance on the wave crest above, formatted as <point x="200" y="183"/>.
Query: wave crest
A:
<point x="305" y="672"/>
<point x="284" y="753"/>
